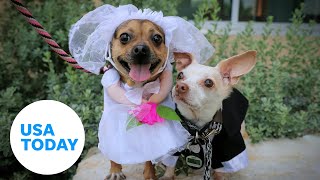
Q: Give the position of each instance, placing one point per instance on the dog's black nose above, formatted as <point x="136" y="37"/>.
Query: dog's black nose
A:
<point x="141" y="50"/>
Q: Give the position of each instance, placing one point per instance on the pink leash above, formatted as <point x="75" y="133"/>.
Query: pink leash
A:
<point x="47" y="37"/>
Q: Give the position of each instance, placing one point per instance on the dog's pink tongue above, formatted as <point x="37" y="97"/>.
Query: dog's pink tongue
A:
<point x="140" y="72"/>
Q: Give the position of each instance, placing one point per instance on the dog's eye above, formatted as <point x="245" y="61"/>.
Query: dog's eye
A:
<point x="208" y="83"/>
<point x="180" y="76"/>
<point x="157" y="39"/>
<point x="125" y="38"/>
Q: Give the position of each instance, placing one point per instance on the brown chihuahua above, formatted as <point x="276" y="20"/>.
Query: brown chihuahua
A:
<point x="138" y="51"/>
<point x="139" y="54"/>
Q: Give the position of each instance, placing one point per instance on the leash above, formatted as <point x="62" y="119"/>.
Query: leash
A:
<point x="199" y="137"/>
<point x="47" y="37"/>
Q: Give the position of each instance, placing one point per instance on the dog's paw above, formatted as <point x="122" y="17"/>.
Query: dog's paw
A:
<point x="150" y="178"/>
<point x="115" y="176"/>
<point x="166" y="178"/>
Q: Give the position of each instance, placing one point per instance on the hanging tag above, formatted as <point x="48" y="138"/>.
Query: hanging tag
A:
<point x="194" y="161"/>
<point x="194" y="148"/>
<point x="194" y="155"/>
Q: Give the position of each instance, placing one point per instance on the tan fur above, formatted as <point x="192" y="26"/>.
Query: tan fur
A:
<point x="115" y="168"/>
<point x="244" y="132"/>
<point x="141" y="31"/>
<point x="115" y="172"/>
<point x="149" y="171"/>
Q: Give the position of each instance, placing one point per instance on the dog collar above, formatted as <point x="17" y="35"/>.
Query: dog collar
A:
<point x="199" y="137"/>
<point x="212" y="127"/>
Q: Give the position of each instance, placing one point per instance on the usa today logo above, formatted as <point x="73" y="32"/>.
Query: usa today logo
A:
<point x="47" y="137"/>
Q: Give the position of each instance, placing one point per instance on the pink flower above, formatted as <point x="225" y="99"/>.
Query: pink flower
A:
<point x="146" y="113"/>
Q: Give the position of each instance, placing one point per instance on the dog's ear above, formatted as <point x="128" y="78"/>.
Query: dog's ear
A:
<point x="233" y="68"/>
<point x="182" y="60"/>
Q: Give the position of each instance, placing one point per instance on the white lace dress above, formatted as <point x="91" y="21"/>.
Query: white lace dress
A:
<point x="139" y="144"/>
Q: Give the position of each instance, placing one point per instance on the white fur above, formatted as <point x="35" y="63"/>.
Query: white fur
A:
<point x="201" y="103"/>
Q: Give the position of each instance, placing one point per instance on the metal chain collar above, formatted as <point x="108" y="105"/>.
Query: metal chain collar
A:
<point x="206" y="135"/>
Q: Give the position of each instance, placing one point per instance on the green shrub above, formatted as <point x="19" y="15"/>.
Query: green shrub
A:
<point x="283" y="88"/>
<point x="30" y="72"/>
<point x="83" y="93"/>
<point x="24" y="75"/>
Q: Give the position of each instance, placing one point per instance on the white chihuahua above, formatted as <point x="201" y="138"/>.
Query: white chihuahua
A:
<point x="200" y="92"/>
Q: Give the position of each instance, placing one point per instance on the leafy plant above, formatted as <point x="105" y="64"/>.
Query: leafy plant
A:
<point x="31" y="72"/>
<point x="282" y="89"/>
